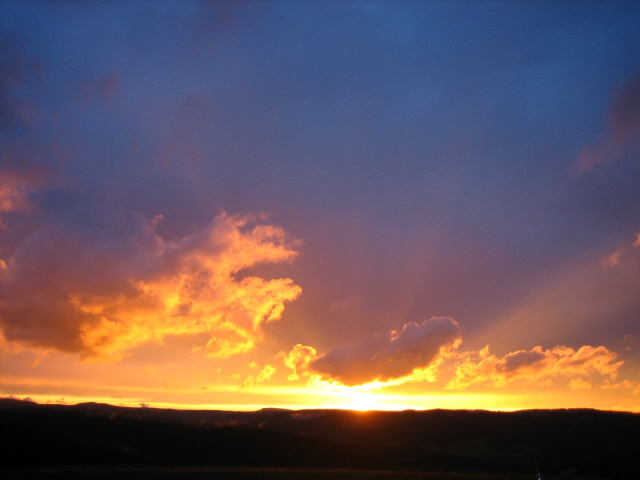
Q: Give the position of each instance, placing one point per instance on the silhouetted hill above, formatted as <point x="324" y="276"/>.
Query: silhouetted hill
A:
<point x="588" y="442"/>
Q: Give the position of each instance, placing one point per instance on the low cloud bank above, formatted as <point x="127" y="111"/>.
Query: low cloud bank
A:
<point x="536" y="367"/>
<point x="418" y="350"/>
<point x="383" y="357"/>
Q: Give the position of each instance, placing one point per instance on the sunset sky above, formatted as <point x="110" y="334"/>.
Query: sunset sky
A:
<point x="303" y="204"/>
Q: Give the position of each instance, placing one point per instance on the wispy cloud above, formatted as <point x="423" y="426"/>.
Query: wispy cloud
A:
<point x="625" y="255"/>
<point x="624" y="126"/>
<point x="14" y="192"/>
<point x="263" y="376"/>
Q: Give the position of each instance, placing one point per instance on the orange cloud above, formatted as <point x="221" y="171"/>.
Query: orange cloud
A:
<point x="14" y="192"/>
<point x="535" y="367"/>
<point x="624" y="255"/>
<point x="579" y="384"/>
<point x="299" y="359"/>
<point x="395" y="357"/>
<point x="612" y="260"/>
<point x="110" y="283"/>
<point x="264" y="376"/>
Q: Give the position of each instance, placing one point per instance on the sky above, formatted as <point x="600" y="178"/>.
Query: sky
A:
<point x="320" y="204"/>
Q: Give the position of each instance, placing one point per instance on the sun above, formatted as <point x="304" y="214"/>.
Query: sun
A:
<point x="362" y="401"/>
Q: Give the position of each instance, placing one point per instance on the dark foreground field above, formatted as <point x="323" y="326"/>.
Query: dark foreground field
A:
<point x="96" y="441"/>
<point x="221" y="473"/>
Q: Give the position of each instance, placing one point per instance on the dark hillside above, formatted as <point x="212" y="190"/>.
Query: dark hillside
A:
<point x="60" y="435"/>
<point x="586" y="442"/>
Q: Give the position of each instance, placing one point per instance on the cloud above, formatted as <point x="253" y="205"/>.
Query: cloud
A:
<point x="299" y="359"/>
<point x="14" y="192"/>
<point x="612" y="260"/>
<point x="384" y="357"/>
<point x="536" y="367"/>
<point x="579" y="384"/>
<point x="633" y="386"/>
<point x="264" y="376"/>
<point x="624" y="127"/>
<point x="625" y="255"/>
<point x="99" y="282"/>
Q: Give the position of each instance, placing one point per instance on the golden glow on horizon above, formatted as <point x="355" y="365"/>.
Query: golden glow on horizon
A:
<point x="311" y="397"/>
<point x="362" y="401"/>
<point x="186" y="387"/>
<point x="357" y="402"/>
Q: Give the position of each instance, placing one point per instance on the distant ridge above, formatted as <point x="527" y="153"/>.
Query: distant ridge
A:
<point x="584" y="441"/>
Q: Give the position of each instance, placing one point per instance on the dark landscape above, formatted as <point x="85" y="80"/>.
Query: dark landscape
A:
<point x="93" y="440"/>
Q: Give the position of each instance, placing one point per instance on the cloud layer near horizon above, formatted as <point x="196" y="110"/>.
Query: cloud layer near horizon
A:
<point x="536" y="367"/>
<point x="382" y="357"/>
<point x="415" y="353"/>
<point x="99" y="282"/>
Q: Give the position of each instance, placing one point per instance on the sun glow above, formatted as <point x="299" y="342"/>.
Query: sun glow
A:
<point x="297" y="398"/>
<point x="362" y="401"/>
